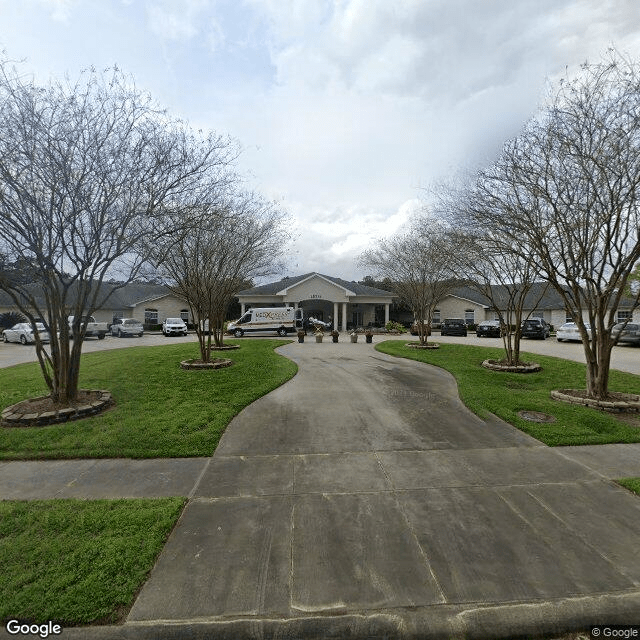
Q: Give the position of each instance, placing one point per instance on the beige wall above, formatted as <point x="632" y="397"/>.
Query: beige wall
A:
<point x="167" y="306"/>
<point x="316" y="288"/>
<point x="452" y="307"/>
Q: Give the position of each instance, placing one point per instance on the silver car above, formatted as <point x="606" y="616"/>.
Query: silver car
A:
<point x="569" y="332"/>
<point x="174" y="327"/>
<point x="122" y="327"/>
<point x="23" y="332"/>
<point x="626" y="334"/>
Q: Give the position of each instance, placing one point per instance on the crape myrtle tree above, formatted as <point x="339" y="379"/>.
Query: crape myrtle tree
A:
<point x="239" y="238"/>
<point x="90" y="172"/>
<point x="507" y="279"/>
<point x="418" y="263"/>
<point x="566" y="191"/>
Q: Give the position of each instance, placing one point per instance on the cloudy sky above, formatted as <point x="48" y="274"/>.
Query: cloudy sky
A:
<point x="347" y="110"/>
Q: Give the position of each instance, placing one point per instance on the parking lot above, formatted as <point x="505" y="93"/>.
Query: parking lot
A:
<point x="624" y="358"/>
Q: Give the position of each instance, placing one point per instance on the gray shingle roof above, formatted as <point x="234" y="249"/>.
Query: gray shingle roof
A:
<point x="274" y="287"/>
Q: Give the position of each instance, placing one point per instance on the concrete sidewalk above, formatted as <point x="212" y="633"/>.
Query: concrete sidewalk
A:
<point x="362" y="500"/>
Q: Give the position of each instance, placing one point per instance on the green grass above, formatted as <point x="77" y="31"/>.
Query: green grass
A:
<point x="77" y="561"/>
<point x="161" y="410"/>
<point x="633" y="484"/>
<point x="504" y="394"/>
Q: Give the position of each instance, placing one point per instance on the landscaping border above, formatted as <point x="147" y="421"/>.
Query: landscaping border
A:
<point x="15" y="416"/>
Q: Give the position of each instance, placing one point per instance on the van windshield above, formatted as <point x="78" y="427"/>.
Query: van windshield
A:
<point x="245" y="318"/>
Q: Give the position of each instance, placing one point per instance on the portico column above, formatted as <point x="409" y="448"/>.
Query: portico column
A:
<point x="242" y="308"/>
<point x="344" y="316"/>
<point x="335" y="316"/>
<point x="386" y="314"/>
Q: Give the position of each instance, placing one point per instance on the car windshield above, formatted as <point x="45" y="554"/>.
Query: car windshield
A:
<point x="174" y="320"/>
<point x="131" y="322"/>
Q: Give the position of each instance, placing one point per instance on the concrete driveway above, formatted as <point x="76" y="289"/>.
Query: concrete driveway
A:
<point x="361" y="499"/>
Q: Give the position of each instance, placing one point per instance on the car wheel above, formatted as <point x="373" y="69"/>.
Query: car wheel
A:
<point x="4" y="338"/>
<point x="238" y="333"/>
<point x="282" y="332"/>
<point x="23" y="339"/>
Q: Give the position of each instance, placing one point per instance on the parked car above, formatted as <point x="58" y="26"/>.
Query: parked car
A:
<point x="174" y="327"/>
<point x="568" y="332"/>
<point x="127" y="327"/>
<point x="629" y="334"/>
<point x="453" y="327"/>
<point x="23" y="332"/>
<point x="535" y="328"/>
<point x="489" y="329"/>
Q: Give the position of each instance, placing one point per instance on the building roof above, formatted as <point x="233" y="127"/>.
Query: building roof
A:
<point x="274" y="288"/>
<point x="536" y="298"/>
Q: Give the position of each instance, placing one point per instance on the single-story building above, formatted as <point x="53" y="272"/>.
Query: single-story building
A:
<point x="149" y="303"/>
<point x="344" y="304"/>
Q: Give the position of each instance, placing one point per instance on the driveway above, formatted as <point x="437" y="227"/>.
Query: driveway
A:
<point x="361" y="499"/>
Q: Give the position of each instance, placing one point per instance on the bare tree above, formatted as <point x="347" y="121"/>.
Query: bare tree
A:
<point x="238" y="239"/>
<point x="507" y="279"/>
<point x="418" y="264"/>
<point x="89" y="174"/>
<point x="566" y="192"/>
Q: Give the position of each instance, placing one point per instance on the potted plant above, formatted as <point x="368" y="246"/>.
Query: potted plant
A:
<point x="301" y="335"/>
<point x="319" y="335"/>
<point x="368" y="334"/>
<point x="334" y="335"/>
<point x="354" y="336"/>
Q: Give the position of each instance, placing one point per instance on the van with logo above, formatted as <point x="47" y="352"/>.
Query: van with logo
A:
<point x="267" y="320"/>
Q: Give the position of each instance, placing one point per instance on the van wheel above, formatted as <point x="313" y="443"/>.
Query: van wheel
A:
<point x="238" y="333"/>
<point x="282" y="332"/>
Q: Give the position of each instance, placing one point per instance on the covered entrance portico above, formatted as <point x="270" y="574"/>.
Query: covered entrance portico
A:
<point x="346" y="304"/>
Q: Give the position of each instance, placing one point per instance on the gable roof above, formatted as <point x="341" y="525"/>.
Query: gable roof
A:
<point x="275" y="288"/>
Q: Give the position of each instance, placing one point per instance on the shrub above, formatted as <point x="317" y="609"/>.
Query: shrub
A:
<point x="395" y="326"/>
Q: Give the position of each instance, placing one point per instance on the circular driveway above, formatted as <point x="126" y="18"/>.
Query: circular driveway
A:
<point x="624" y="358"/>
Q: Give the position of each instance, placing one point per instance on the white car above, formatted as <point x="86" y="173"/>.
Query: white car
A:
<point x="174" y="327"/>
<point x="127" y="327"/>
<point x="568" y="332"/>
<point x="23" y="332"/>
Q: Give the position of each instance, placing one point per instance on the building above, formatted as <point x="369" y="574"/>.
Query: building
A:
<point x="344" y="304"/>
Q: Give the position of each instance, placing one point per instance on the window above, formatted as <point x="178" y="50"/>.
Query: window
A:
<point x="184" y="315"/>
<point x="537" y="314"/>
<point x="623" y="316"/>
<point x="436" y="316"/>
<point x="118" y="314"/>
<point x="469" y="316"/>
<point x="151" y="316"/>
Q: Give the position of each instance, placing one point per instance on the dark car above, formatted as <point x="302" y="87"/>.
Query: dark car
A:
<point x="453" y="327"/>
<point x="489" y="329"/>
<point x="629" y="334"/>
<point x="535" y="328"/>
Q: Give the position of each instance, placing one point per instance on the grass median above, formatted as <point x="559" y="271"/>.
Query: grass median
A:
<point x="505" y="394"/>
<point x="160" y="411"/>
<point x="79" y="561"/>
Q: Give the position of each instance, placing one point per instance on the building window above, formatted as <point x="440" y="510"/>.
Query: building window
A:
<point x="436" y="316"/>
<point x="118" y="314"/>
<point x="184" y="315"/>
<point x="469" y="316"/>
<point x="623" y="316"/>
<point x="537" y="314"/>
<point x="151" y="316"/>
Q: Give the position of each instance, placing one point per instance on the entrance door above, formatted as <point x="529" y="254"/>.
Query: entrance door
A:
<point x="357" y="319"/>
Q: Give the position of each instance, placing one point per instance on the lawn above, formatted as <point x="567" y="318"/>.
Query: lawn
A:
<point x="505" y="394"/>
<point x="79" y="561"/>
<point x="160" y="411"/>
<point x="633" y="484"/>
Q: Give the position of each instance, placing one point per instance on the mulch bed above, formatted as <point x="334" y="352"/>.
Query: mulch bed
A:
<point x="43" y="411"/>
<point x="504" y="366"/>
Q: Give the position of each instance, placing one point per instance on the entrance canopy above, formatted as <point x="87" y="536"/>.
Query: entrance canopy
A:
<point x="353" y="304"/>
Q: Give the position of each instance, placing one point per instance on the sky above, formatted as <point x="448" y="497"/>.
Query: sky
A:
<point x="348" y="112"/>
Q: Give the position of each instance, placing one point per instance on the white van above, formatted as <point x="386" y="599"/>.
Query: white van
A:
<point x="269" y="320"/>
